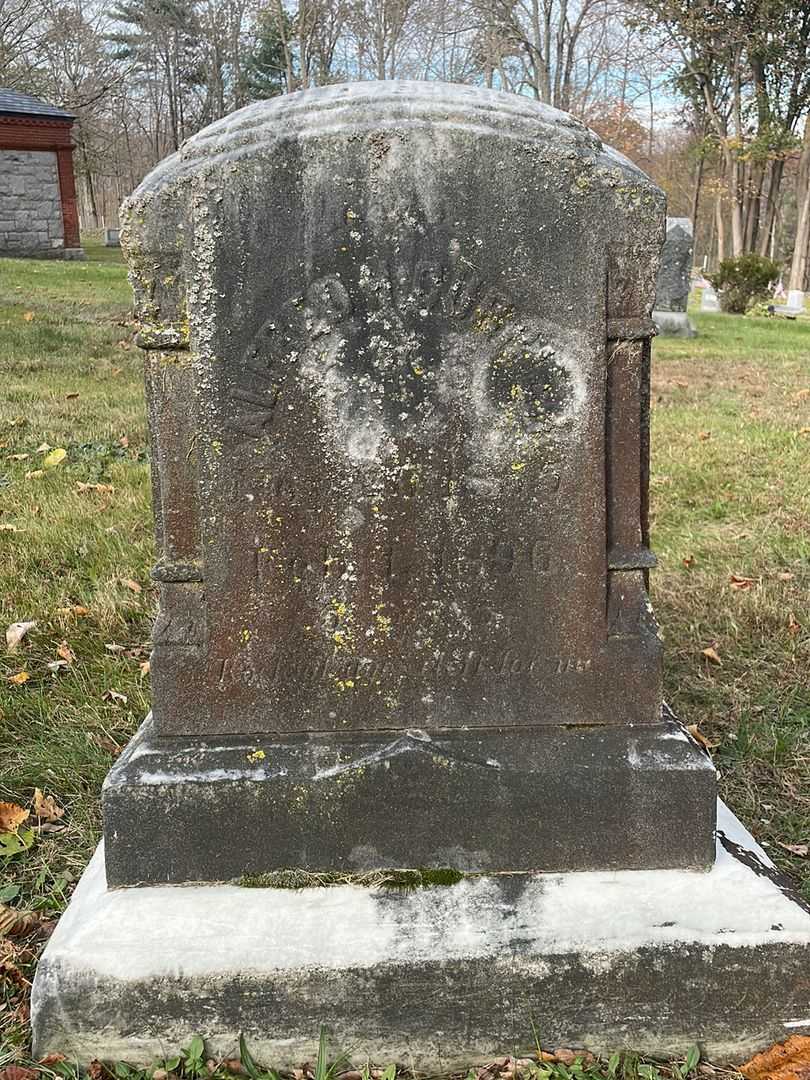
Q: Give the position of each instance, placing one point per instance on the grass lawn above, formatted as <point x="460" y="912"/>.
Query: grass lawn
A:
<point x="731" y="507"/>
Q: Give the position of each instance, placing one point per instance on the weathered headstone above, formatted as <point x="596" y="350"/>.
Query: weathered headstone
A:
<point x="709" y="300"/>
<point x="397" y="357"/>
<point x="112" y="238"/>
<point x="672" y="285"/>
<point x="397" y="341"/>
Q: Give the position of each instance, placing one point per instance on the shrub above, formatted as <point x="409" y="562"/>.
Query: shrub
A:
<point x="744" y="280"/>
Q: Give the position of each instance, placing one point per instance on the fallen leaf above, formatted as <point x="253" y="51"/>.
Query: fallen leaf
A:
<point x="106" y="743"/>
<point x="133" y="586"/>
<point x="17" y="1072"/>
<point x="698" y="736"/>
<point x="711" y="654"/>
<point x="793" y="625"/>
<point x="45" y="807"/>
<point x="56" y="457"/>
<point x="115" y="696"/>
<point x="69" y="397"/>
<point x="12" y="815"/>
<point x="12" y="843"/>
<point x="738" y="582"/>
<point x="15" y="923"/>
<point x="103" y="489"/>
<point x="43" y="448"/>
<point x="18" y="457"/>
<point x="18" y="679"/>
<point x="704" y="435"/>
<point x="124" y="441"/>
<point x="56" y="665"/>
<point x="34" y="474"/>
<point x="51" y="1059"/>
<point x="804" y="431"/>
<point x="16" y="632"/>
<point x="145" y="667"/>
<point x="76" y="610"/>
<point x="689" y="561"/>
<point x="795" y="849"/>
<point x="789" y="1060"/>
<point x="65" y="652"/>
<point x="28" y="316"/>
<point x="113" y="648"/>
<point x="96" y="1071"/>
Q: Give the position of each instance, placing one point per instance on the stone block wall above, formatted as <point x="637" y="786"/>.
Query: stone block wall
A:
<point x="30" y="203"/>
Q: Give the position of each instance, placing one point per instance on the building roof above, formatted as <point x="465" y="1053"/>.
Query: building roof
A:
<point x="14" y="104"/>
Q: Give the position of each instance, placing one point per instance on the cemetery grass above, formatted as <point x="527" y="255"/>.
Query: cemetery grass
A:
<point x="731" y="525"/>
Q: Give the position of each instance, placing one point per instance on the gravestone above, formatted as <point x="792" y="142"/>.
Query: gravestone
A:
<point x="396" y="370"/>
<point x="397" y="342"/>
<point x="672" y="285"/>
<point x="112" y="238"/>
<point x="709" y="300"/>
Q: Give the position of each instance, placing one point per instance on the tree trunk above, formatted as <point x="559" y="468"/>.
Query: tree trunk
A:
<point x="798" y="267"/>
<point x="696" y="191"/>
<point x="721" y="228"/>
<point x="771" y="199"/>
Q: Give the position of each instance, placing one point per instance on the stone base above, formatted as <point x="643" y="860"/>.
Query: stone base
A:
<point x="550" y="798"/>
<point x="74" y="254"/>
<point x="438" y="977"/>
<point x="674" y="324"/>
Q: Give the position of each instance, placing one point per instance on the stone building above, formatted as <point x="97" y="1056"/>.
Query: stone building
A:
<point x="38" y="215"/>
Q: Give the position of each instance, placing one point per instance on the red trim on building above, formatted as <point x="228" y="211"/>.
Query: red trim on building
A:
<point x="48" y="133"/>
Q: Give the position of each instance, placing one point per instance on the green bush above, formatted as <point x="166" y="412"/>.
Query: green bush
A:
<point x="743" y="281"/>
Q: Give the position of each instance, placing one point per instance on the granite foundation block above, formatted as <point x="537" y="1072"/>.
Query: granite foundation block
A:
<point x="674" y="324"/>
<point x="436" y="977"/>
<point x="184" y="809"/>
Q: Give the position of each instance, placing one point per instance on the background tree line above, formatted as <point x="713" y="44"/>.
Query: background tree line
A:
<point x="711" y="97"/>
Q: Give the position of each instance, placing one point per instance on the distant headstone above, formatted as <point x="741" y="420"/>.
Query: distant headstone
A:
<point x="397" y="425"/>
<point x="112" y="238"/>
<point x="794" y="306"/>
<point x="398" y="352"/>
<point x="709" y="300"/>
<point x="672" y="285"/>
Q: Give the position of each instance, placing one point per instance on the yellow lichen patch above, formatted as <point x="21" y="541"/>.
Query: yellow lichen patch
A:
<point x="257" y="755"/>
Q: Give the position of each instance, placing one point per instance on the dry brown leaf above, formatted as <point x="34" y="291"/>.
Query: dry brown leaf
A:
<point x="704" y="435"/>
<point x="133" y="586"/>
<point x="105" y="743"/>
<point x="15" y="923"/>
<point x="115" y="696"/>
<point x="70" y="397"/>
<point x="112" y="647"/>
<point x="96" y="1070"/>
<point x="102" y="489"/>
<point x="698" y="736"/>
<point x="65" y="652"/>
<point x="12" y="815"/>
<point x="51" y="1059"/>
<point x="233" y="1065"/>
<point x="17" y="457"/>
<point x="689" y="561"/>
<point x="124" y="441"/>
<point x="45" y="807"/>
<point x="738" y="582"/>
<point x="712" y="654"/>
<point x="76" y="610"/>
<point x="18" y="679"/>
<point x="794" y="626"/>
<point x="565" y="1056"/>
<point x="28" y="316"/>
<point x="795" y="849"/>
<point x="789" y="1060"/>
<point x="17" y="1072"/>
<point x="16" y="632"/>
<point x="145" y="667"/>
